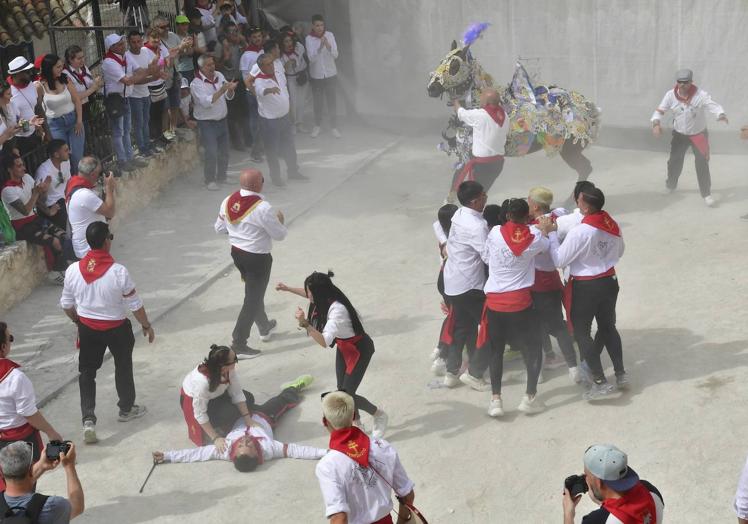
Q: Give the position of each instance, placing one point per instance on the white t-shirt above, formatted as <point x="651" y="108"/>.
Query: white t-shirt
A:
<point x="25" y="101"/>
<point x="338" y="323"/>
<point x="359" y="492"/>
<point x="107" y="298"/>
<point x="587" y="250"/>
<point x="11" y="194"/>
<point x="13" y="116"/>
<point x="272" y="105"/>
<point x="81" y="212"/>
<point x="488" y="137"/>
<point x="114" y="72"/>
<point x="140" y="61"/>
<point x="196" y="385"/>
<point x="57" y="187"/>
<point x="506" y="271"/>
<point x="247" y="61"/>
<point x="17" y="400"/>
<point x="256" y="231"/>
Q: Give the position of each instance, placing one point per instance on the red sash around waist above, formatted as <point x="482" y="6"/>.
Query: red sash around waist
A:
<point x="467" y="170"/>
<point x="101" y="325"/>
<point x="547" y="281"/>
<point x="15" y="434"/>
<point x="20" y="222"/>
<point x="568" y="291"/>
<point x="348" y="347"/>
<point x="506" y="302"/>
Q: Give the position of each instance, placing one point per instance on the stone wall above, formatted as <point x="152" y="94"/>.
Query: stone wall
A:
<point x="22" y="266"/>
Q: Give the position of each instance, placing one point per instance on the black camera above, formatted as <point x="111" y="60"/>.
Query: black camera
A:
<point x="576" y="485"/>
<point x="55" y="447"/>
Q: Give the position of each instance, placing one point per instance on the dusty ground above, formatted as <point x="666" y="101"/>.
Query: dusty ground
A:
<point x="681" y="315"/>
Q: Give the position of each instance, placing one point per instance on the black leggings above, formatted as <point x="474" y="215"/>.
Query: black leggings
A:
<point x="223" y="413"/>
<point x="349" y="382"/>
<point x="548" y="306"/>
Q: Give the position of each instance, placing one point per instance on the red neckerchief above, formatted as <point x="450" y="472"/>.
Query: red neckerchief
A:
<point x="150" y="46"/>
<point x="517" y="236"/>
<point x="255" y="48"/>
<point x="267" y="77"/>
<point x="692" y="90"/>
<point x="636" y="506"/>
<point x="204" y="78"/>
<point x="603" y="221"/>
<point x="239" y="206"/>
<point x="16" y="85"/>
<point x="95" y="265"/>
<point x="114" y="56"/>
<point x="255" y="441"/>
<point x="81" y="77"/>
<point x="74" y="183"/>
<point x="13" y="183"/>
<point x="496" y="112"/>
<point x="6" y="366"/>
<point x="353" y="443"/>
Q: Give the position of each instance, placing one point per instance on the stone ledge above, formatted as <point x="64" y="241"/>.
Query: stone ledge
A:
<point x="22" y="267"/>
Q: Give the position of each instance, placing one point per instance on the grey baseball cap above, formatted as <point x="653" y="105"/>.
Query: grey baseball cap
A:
<point x="684" y="75"/>
<point x="610" y="464"/>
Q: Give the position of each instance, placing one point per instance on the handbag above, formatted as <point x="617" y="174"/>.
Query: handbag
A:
<point x="158" y="92"/>
<point x="302" y="77"/>
<point x="115" y="105"/>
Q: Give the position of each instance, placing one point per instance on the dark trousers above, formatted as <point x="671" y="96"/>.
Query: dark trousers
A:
<point x="323" y="92"/>
<point x="59" y="219"/>
<point x="678" y="147"/>
<point x="214" y="137"/>
<point x="239" y="131"/>
<point x="93" y="345"/>
<point x="486" y="174"/>
<point x="156" y="119"/>
<point x="223" y="413"/>
<point x="596" y="299"/>
<point x="548" y="306"/>
<point x="278" y="140"/>
<point x="349" y="382"/>
<point x="255" y="271"/>
<point x="467" y="309"/>
<point x="523" y="327"/>
<point x="254" y="123"/>
<point x="43" y="234"/>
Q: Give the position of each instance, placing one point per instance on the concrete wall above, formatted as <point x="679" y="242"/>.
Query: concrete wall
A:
<point x="622" y="53"/>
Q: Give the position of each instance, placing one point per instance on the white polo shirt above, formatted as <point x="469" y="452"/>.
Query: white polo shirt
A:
<point x="464" y="269"/>
<point x="82" y="209"/>
<point x="272" y="105"/>
<point x="321" y="59"/>
<point x="25" y="101"/>
<point x="57" y="187"/>
<point x="507" y="271"/>
<point x="359" y="492"/>
<point x="113" y="72"/>
<point x="11" y="194"/>
<point x="488" y="137"/>
<point x="196" y="385"/>
<point x="107" y="298"/>
<point x="140" y="61"/>
<point x="202" y="91"/>
<point x="256" y="231"/>
<point x="17" y="400"/>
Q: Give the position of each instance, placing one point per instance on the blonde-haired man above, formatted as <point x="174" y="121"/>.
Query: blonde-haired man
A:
<point x="358" y="473"/>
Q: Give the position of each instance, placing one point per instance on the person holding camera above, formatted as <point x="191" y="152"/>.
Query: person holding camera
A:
<point x="622" y="496"/>
<point x="21" y="474"/>
<point x="97" y="295"/>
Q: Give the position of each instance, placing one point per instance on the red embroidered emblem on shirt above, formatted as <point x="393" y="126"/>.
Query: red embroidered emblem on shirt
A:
<point x="91" y="266"/>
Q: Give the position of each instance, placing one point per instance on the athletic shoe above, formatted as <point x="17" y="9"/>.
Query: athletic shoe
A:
<point x="139" y="162"/>
<point x="56" y="277"/>
<point x="336" y="133"/>
<point x="585" y="375"/>
<point x="476" y="383"/>
<point x="552" y="361"/>
<point x="435" y="354"/>
<point x="622" y="382"/>
<point x="211" y="186"/>
<point x="315" y="132"/>
<point x="245" y="350"/>
<point x="530" y="406"/>
<point x="89" y="432"/>
<point x="439" y="367"/>
<point x="496" y="408"/>
<point x="574" y="375"/>
<point x="599" y="391"/>
<point x="135" y="412"/>
<point x="451" y="380"/>
<point x="302" y="382"/>
<point x="710" y="201"/>
<point x="265" y="337"/>
<point x="380" y="424"/>
<point x="169" y="135"/>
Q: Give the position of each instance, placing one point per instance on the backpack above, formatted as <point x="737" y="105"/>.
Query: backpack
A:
<point x="30" y="514"/>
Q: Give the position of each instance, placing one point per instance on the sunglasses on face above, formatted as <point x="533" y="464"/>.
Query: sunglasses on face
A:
<point x="11" y="338"/>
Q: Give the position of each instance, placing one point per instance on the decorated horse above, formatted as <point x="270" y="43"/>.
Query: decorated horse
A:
<point x="541" y="117"/>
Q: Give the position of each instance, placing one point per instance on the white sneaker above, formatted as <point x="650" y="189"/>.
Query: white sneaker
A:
<point x="56" y="277"/>
<point x="265" y="337"/>
<point x="476" y="383"/>
<point x="439" y="367"/>
<point x="530" y="406"/>
<point x="315" y="132"/>
<point x="212" y="186"/>
<point x="435" y="354"/>
<point x="710" y="201"/>
<point x="574" y="375"/>
<point x="89" y="432"/>
<point x="496" y="408"/>
<point x="380" y="424"/>
<point x="336" y="133"/>
<point x="451" y="380"/>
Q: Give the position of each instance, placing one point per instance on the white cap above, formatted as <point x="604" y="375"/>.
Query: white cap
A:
<point x="112" y="39"/>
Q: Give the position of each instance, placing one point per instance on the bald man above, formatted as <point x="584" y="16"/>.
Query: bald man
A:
<point x="252" y="225"/>
<point x="490" y="125"/>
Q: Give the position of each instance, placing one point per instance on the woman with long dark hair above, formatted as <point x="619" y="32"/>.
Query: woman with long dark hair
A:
<point x="331" y="320"/>
<point x="62" y="107"/>
<point x="10" y="117"/>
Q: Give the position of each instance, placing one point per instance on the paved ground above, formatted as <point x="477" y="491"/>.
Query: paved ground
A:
<point x="681" y="316"/>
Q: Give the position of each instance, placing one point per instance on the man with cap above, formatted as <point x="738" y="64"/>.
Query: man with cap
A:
<point x="24" y="99"/>
<point x="119" y="79"/>
<point x="622" y="496"/>
<point x="688" y="102"/>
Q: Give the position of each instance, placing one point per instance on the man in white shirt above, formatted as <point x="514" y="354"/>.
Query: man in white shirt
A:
<point x="464" y="277"/>
<point x="247" y="62"/>
<point x="276" y="127"/>
<point x="688" y="102"/>
<point x="84" y="205"/>
<point x="24" y="99"/>
<point x="592" y="250"/>
<point x="139" y="57"/>
<point x="97" y="296"/>
<point x="57" y="168"/>
<point x="322" y="50"/>
<point x="359" y="473"/>
<point x="490" y="126"/>
<point x="210" y="90"/>
<point x="252" y="225"/>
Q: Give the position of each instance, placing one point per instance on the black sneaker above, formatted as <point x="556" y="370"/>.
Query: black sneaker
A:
<point x="245" y="350"/>
<point x="135" y="412"/>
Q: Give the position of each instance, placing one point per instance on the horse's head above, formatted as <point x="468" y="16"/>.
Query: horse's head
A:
<point x="453" y="73"/>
